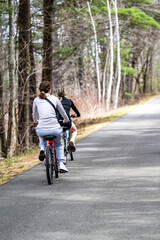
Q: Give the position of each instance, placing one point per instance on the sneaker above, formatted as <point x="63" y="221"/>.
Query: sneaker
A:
<point x="72" y="146"/>
<point x="41" y="155"/>
<point x="62" y="168"/>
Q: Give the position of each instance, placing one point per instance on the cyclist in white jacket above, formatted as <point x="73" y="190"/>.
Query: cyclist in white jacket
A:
<point x="45" y="120"/>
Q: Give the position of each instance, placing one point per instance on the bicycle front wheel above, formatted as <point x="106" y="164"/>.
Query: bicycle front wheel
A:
<point x="71" y="156"/>
<point x="49" y="165"/>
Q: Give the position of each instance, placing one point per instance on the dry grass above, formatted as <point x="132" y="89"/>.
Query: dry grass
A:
<point x="10" y="168"/>
<point x="89" y="125"/>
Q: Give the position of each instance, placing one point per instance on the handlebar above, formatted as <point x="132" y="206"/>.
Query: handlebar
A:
<point x="73" y="116"/>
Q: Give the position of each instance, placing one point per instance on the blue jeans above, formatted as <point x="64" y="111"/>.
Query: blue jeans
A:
<point x="57" y="141"/>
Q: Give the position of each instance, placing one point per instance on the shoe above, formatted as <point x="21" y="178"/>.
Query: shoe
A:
<point x="72" y="146"/>
<point x="41" y="155"/>
<point x="62" y="168"/>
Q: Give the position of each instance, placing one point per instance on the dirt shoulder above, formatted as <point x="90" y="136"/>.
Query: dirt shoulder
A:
<point x="12" y="167"/>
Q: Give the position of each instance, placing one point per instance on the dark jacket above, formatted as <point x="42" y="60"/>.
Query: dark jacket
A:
<point x="68" y="105"/>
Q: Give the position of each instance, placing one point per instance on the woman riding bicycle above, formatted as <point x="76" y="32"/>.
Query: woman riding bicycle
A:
<point x="68" y="105"/>
<point x="44" y="116"/>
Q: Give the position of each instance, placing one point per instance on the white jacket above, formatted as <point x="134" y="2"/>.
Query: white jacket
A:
<point x="44" y="114"/>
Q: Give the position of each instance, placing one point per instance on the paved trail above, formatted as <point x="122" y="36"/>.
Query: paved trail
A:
<point x="112" y="190"/>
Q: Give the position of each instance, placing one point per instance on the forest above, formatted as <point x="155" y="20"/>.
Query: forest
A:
<point x="104" y="53"/>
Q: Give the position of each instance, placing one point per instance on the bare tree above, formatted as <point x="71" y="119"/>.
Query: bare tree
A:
<point x="96" y="51"/>
<point x="118" y="55"/>
<point x="111" y="56"/>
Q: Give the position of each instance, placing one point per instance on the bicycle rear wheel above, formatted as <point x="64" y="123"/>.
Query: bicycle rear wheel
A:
<point x="55" y="165"/>
<point x="49" y="165"/>
<point x="65" y="150"/>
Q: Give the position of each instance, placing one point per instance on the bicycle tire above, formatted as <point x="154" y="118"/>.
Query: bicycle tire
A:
<point x="71" y="156"/>
<point x="55" y="165"/>
<point x="49" y="165"/>
<point x="65" y="150"/>
<point x="69" y="148"/>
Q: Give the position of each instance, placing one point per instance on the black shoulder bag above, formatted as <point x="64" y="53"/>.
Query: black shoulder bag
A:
<point x="68" y="124"/>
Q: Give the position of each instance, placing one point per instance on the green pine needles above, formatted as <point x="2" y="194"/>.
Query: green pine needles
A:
<point x="137" y="18"/>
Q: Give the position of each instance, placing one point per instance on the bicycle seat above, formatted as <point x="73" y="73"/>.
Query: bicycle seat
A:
<point x="50" y="137"/>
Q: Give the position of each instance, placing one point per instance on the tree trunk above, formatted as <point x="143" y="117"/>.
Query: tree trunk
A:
<point x="11" y="65"/>
<point x="47" y="40"/>
<point x="32" y="91"/>
<point x="2" y="122"/>
<point x="151" y="71"/>
<point x="80" y="52"/>
<point x="104" y="77"/>
<point x="32" y="78"/>
<point x="81" y="77"/>
<point x="118" y="55"/>
<point x="24" y="71"/>
<point x="56" y="45"/>
<point x="97" y="57"/>
<point x="111" y="50"/>
<point x="145" y="72"/>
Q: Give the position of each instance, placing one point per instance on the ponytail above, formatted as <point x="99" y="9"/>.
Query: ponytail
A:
<point x="42" y="95"/>
<point x="61" y="94"/>
<point x="60" y="98"/>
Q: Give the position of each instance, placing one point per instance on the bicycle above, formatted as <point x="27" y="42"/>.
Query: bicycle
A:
<point x="67" y="149"/>
<point x="66" y="139"/>
<point x="51" y="161"/>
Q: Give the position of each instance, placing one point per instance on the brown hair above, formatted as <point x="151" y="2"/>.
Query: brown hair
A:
<point x="61" y="93"/>
<point x="44" y="88"/>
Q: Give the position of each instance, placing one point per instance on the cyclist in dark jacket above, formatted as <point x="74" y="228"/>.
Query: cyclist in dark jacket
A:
<point x="68" y="105"/>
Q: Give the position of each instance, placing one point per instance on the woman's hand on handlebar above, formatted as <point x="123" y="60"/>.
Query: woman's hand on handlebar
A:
<point x="35" y="124"/>
<point x="74" y="116"/>
<point x="65" y="122"/>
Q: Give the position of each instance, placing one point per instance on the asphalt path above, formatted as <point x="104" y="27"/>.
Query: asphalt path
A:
<point x="112" y="190"/>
